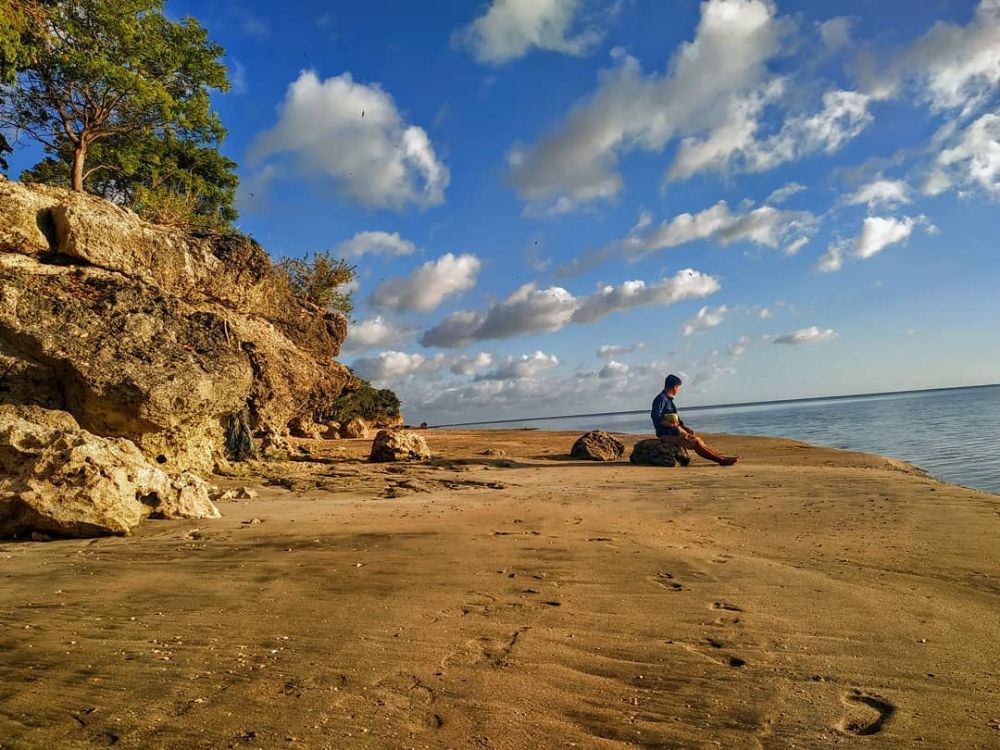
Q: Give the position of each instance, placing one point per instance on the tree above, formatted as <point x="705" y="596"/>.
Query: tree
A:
<point x="165" y="180"/>
<point x="21" y="22"/>
<point x="115" y="72"/>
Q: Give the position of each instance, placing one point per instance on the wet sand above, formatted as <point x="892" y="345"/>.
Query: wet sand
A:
<point x="804" y="598"/>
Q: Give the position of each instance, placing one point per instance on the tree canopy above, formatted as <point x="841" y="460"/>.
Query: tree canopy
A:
<point x="119" y="96"/>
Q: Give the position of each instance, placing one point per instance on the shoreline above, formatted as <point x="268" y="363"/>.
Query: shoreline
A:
<point x="806" y="596"/>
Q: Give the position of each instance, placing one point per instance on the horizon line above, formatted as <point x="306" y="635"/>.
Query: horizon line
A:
<point x="721" y="406"/>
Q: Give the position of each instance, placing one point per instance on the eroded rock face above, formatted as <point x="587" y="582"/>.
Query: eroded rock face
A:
<point x="304" y="427"/>
<point x="56" y="478"/>
<point x="153" y="334"/>
<point x="392" y="445"/>
<point x="654" y="452"/>
<point x="598" y="445"/>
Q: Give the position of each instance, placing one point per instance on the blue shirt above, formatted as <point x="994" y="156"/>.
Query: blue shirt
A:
<point x="663" y="405"/>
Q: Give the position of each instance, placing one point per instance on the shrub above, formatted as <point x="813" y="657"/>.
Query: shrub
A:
<point x="366" y="402"/>
<point x="319" y="280"/>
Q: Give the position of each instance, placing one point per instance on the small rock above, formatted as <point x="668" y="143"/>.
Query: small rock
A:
<point x="655" y="452"/>
<point x="598" y="445"/>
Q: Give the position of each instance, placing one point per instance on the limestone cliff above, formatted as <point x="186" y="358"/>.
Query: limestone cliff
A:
<point x="154" y="334"/>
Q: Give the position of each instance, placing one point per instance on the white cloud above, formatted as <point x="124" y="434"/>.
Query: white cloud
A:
<point x="426" y="288"/>
<point x="374" y="332"/>
<point x="836" y="33"/>
<point x="610" y="351"/>
<point x="375" y="243"/>
<point x="633" y="111"/>
<point x="833" y="259"/>
<point x="739" y="347"/>
<point x="376" y="159"/>
<point x="389" y="366"/>
<point x="238" y="78"/>
<point x="530" y="309"/>
<point x="784" y="193"/>
<point x="767" y="226"/>
<point x="765" y="314"/>
<point x="686" y="284"/>
<point x="796" y="245"/>
<point x="705" y="319"/>
<point x="467" y="365"/>
<point x="971" y="161"/>
<point x="521" y="368"/>
<point x="880" y="193"/>
<point x="613" y="370"/>
<point x="878" y="232"/>
<point x="811" y="335"/>
<point x="511" y="28"/>
<point x="953" y="67"/>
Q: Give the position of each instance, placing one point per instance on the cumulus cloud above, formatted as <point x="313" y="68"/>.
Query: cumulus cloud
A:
<point x="353" y="134"/>
<point x="686" y="284"/>
<point x="428" y="286"/>
<point x="705" y="319"/>
<point x="374" y="332"/>
<point x="530" y="309"/>
<point x="782" y="194"/>
<point x="511" y="28"/>
<point x="878" y="232"/>
<point x="739" y="347"/>
<point x="521" y="368"/>
<point x="950" y="67"/>
<point x="613" y="370"/>
<point x="880" y="193"/>
<point x="610" y="351"/>
<point x="631" y="110"/>
<point x="766" y="226"/>
<point x="833" y="259"/>
<point x="390" y="366"/>
<point x="811" y="335"/>
<point x="375" y="243"/>
<point x="735" y="145"/>
<point x="971" y="161"/>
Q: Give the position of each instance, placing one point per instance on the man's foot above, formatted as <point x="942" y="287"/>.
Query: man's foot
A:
<point x="729" y="460"/>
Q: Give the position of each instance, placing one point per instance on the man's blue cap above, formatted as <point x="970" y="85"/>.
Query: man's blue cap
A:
<point x="670" y="382"/>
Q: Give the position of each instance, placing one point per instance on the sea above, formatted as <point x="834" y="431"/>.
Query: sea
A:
<point x="951" y="433"/>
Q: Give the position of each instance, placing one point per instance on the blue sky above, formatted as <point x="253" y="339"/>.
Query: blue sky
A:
<point x="553" y="203"/>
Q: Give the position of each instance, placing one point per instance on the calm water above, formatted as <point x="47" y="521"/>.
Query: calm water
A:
<point x="952" y="434"/>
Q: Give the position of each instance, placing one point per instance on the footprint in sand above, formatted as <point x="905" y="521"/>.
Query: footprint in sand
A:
<point x="865" y="715"/>
<point x="666" y="581"/>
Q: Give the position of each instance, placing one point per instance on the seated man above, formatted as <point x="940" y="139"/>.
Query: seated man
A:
<point x="670" y="429"/>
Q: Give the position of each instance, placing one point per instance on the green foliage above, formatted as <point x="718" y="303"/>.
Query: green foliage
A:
<point x="20" y="22"/>
<point x="119" y="95"/>
<point x="164" y="180"/>
<point x="367" y="402"/>
<point x="318" y="280"/>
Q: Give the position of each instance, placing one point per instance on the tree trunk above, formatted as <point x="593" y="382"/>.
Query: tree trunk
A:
<point x="79" y="157"/>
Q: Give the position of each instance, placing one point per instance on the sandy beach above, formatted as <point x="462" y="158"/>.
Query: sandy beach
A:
<point x="518" y="599"/>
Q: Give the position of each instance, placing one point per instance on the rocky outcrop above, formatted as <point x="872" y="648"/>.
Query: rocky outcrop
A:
<point x="598" y="445"/>
<point x="152" y="334"/>
<point x="355" y="428"/>
<point x="390" y="445"/>
<point x="654" y="452"/>
<point x="56" y="478"/>
<point x="304" y="427"/>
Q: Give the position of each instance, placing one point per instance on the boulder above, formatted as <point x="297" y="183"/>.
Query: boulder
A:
<point x="355" y="427"/>
<point x="58" y="479"/>
<point x="332" y="430"/>
<point x="304" y="427"/>
<point x="391" y="445"/>
<point x="598" y="445"/>
<point x="654" y="452"/>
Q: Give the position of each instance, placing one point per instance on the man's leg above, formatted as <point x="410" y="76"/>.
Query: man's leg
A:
<point x="699" y="446"/>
